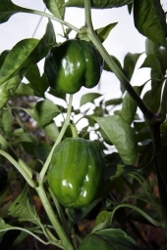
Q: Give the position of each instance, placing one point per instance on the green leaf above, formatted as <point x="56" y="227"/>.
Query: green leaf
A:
<point x="106" y="67"/>
<point x="115" y="101"/>
<point x="52" y="131"/>
<point x="42" y="151"/>
<point x="164" y="247"/>
<point x="129" y="106"/>
<point x="121" y="135"/>
<point x="148" y="21"/>
<point x="90" y="97"/>
<point x="6" y="121"/>
<point x="153" y="62"/>
<point x="98" y="4"/>
<point x="8" y="88"/>
<point x="25" y="53"/>
<point x="103" y="220"/>
<point x="38" y="83"/>
<point x="56" y="7"/>
<point x="130" y="61"/>
<point x="3" y="56"/>
<point x="24" y="90"/>
<point x="23" y="210"/>
<point x="7" y="9"/>
<point x="45" y="111"/>
<point x="108" y="239"/>
<point x="103" y="32"/>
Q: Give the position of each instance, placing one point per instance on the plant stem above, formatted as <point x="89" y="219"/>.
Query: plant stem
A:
<point x="44" y="14"/>
<point x="59" y="138"/>
<point x="21" y="168"/>
<point x="149" y="115"/>
<point x="155" y="133"/>
<point x="64" y="240"/>
<point x="163" y="107"/>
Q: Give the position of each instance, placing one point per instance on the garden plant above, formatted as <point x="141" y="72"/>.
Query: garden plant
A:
<point x="61" y="187"/>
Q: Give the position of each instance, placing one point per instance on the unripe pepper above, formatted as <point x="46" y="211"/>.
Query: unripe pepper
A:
<point x="76" y="172"/>
<point x="73" y="64"/>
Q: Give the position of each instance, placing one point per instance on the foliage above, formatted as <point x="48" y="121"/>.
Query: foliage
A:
<point x="133" y="198"/>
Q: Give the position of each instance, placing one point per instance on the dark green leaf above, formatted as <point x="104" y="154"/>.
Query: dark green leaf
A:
<point x="152" y="61"/>
<point x="37" y="83"/>
<point x="164" y="247"/>
<point x="121" y="135"/>
<point x="98" y="4"/>
<point x="7" y="9"/>
<point x="56" y="7"/>
<point x="103" y="32"/>
<point x="108" y="239"/>
<point x="130" y="61"/>
<point x="42" y="151"/>
<point x="90" y="97"/>
<point x="148" y="21"/>
<point x="45" y="111"/>
<point x="3" y="56"/>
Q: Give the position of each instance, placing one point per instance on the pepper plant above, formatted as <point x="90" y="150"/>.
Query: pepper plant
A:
<point x="61" y="188"/>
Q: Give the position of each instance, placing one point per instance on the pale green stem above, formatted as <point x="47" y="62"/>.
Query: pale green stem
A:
<point x="64" y="240"/>
<point x="59" y="138"/>
<point x="44" y="14"/>
<point x="21" y="168"/>
<point x="23" y="165"/>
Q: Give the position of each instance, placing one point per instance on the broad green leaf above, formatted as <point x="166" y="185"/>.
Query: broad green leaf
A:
<point x="108" y="239"/>
<point x="121" y="134"/>
<point x="56" y="7"/>
<point x="25" y="53"/>
<point x="148" y="21"/>
<point x="45" y="111"/>
<point x="7" y="9"/>
<point x="90" y="97"/>
<point x="23" y="210"/>
<point x="130" y="61"/>
<point x="103" y="32"/>
<point x="151" y="61"/>
<point x="98" y="4"/>
<point x="129" y="106"/>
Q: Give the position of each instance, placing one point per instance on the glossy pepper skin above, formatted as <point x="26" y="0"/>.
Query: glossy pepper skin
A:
<point x="76" y="172"/>
<point x="73" y="64"/>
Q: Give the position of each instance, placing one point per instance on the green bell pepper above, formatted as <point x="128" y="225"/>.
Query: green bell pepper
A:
<point x="76" y="172"/>
<point x="73" y="64"/>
